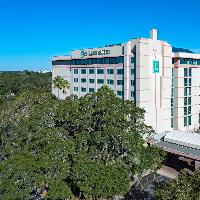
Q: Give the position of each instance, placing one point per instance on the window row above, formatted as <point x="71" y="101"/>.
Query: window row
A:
<point x="190" y="61"/>
<point x="99" y="71"/>
<point x="109" y="81"/>
<point x="187" y="101"/>
<point x="83" y="89"/>
<point x="91" y="90"/>
<point x="100" y="81"/>
<point x="90" y="61"/>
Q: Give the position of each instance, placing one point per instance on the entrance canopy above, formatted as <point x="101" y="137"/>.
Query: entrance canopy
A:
<point x="187" y="139"/>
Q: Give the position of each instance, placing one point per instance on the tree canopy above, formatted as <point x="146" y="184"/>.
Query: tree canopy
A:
<point x="12" y="83"/>
<point x="185" y="187"/>
<point x="88" y="147"/>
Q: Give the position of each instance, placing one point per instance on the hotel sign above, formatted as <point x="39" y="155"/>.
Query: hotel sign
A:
<point x="102" y="52"/>
<point x="156" y="67"/>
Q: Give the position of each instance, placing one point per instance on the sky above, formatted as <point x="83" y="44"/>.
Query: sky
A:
<point x="33" y="31"/>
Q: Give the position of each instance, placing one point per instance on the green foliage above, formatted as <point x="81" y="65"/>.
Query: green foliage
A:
<point x="97" y="179"/>
<point x="185" y="187"/>
<point x="36" y="151"/>
<point x="11" y="84"/>
<point x="87" y="147"/>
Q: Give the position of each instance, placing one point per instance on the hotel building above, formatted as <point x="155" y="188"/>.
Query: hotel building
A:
<point x="156" y="76"/>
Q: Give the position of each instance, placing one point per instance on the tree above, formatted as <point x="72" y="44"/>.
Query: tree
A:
<point x="88" y="147"/>
<point x="107" y="132"/>
<point x="185" y="187"/>
<point x="60" y="84"/>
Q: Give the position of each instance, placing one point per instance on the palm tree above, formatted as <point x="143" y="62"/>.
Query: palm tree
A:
<point x="61" y="84"/>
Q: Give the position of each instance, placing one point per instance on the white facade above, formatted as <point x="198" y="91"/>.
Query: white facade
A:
<point x="144" y="70"/>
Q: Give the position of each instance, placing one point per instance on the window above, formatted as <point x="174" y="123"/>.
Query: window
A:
<point x="90" y="61"/>
<point x="75" y="80"/>
<point x="62" y="62"/>
<point x="113" y="61"/>
<point x="189" y="110"/>
<point x="190" y="91"/>
<point x="110" y="82"/>
<point x="75" y="89"/>
<point x="105" y="61"/>
<point x="185" y="72"/>
<point x="189" y="120"/>
<point x="100" y="81"/>
<point x="84" y="62"/>
<point x="120" y="93"/>
<point x="94" y="60"/>
<point x="190" y="71"/>
<point x="91" y="80"/>
<point x="198" y="62"/>
<point x="190" y="81"/>
<point x="192" y="61"/>
<point x="91" y="71"/>
<point x="75" y="71"/>
<point x="172" y="72"/>
<point x="189" y="100"/>
<point x="172" y="103"/>
<point x="83" y="80"/>
<point x="83" y="71"/>
<point x="185" y="101"/>
<point x="99" y="61"/>
<point x="184" y="61"/>
<point x="172" y="112"/>
<point x="132" y="94"/>
<point x="185" y="110"/>
<point x="77" y="62"/>
<point x="185" y="91"/>
<point x="100" y="71"/>
<point x="91" y="90"/>
<point x="110" y="71"/>
<point x="132" y="59"/>
<point x="120" y="59"/>
<point x="83" y="89"/>
<point x="172" y="90"/>
<point x="120" y="71"/>
<point x="132" y="82"/>
<point x="185" y="121"/>
<point x="120" y="82"/>
<point x="185" y="81"/>
<point x="132" y="71"/>
<point x="172" y="123"/>
<point x="172" y="82"/>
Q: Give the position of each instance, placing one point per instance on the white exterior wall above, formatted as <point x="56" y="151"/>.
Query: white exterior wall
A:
<point x="153" y="89"/>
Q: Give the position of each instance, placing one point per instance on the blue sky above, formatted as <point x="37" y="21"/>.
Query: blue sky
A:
<point x="32" y="31"/>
